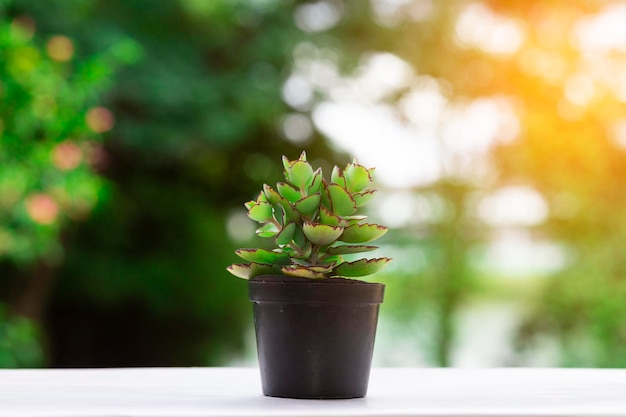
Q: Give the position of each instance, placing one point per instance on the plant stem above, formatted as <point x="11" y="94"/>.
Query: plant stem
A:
<point x="315" y="254"/>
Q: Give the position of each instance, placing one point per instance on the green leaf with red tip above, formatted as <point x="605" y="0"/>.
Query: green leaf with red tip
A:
<point x="286" y="163"/>
<point x="267" y="230"/>
<point x="348" y="249"/>
<point x="299" y="238"/>
<point x="354" y="218"/>
<point x="283" y="212"/>
<point x="301" y="272"/>
<point x="308" y="206"/>
<point x="251" y="270"/>
<point x="322" y="269"/>
<point x="357" y="178"/>
<point x="326" y="201"/>
<point x="300" y="174"/>
<point x="361" y="268"/>
<point x="289" y="192"/>
<point x="285" y="236"/>
<point x="304" y="253"/>
<point x="261" y="212"/>
<point x="326" y="217"/>
<point x="361" y="233"/>
<point x="321" y="234"/>
<point x="272" y="195"/>
<point x="279" y="214"/>
<point x="302" y="156"/>
<point x="363" y="198"/>
<point x="263" y="256"/>
<point x="336" y="177"/>
<point x="316" y="183"/>
<point x="261" y="197"/>
<point x="328" y="259"/>
<point x="291" y="215"/>
<point x="352" y="222"/>
<point x="249" y="204"/>
<point x="342" y="202"/>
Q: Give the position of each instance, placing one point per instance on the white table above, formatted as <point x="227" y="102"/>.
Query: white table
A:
<point x="228" y="392"/>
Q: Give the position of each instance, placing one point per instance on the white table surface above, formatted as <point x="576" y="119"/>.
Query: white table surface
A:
<point x="228" y="392"/>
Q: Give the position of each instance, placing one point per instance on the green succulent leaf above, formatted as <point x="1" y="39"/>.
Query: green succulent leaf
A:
<point x="321" y="234"/>
<point x="291" y="215"/>
<point x="326" y="201"/>
<point x="352" y="222"/>
<point x="336" y="177"/>
<point x="361" y="268"/>
<point x="289" y="192"/>
<point x="363" y="198"/>
<point x="304" y="253"/>
<point x="250" y="204"/>
<point x="263" y="256"/>
<point x="342" y="202"/>
<point x="261" y="212"/>
<point x="357" y="178"/>
<point x="300" y="174"/>
<point x="355" y="218"/>
<point x="286" y="164"/>
<point x="285" y="236"/>
<point x="326" y="217"/>
<point x="301" y="271"/>
<point x="279" y="214"/>
<point x="316" y="183"/>
<point x="322" y="269"/>
<point x="261" y="197"/>
<point x="361" y="233"/>
<point x="332" y="259"/>
<point x="308" y="205"/>
<point x="267" y="230"/>
<point x="272" y="196"/>
<point x="299" y="238"/>
<point x="251" y="270"/>
<point x="348" y="249"/>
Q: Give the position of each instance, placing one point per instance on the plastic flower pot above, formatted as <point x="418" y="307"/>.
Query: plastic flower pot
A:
<point x="315" y="338"/>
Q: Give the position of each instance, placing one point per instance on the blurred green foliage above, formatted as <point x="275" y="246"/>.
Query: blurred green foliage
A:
<point x="195" y="121"/>
<point x="47" y="145"/>
<point x="19" y="345"/>
<point x="47" y="151"/>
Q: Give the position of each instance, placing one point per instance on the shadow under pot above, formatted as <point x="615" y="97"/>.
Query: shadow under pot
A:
<point x="315" y="338"/>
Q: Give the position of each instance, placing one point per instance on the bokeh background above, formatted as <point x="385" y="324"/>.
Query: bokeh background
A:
<point x="133" y="130"/>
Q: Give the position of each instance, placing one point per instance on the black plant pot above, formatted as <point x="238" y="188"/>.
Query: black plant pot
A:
<point x="315" y="338"/>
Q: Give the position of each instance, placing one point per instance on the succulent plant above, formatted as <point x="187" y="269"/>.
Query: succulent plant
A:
<point x="313" y="223"/>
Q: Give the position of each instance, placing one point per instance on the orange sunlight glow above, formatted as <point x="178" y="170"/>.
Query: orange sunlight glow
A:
<point x="548" y="79"/>
<point x="478" y="27"/>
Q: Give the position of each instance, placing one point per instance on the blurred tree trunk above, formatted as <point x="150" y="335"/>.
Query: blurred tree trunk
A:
<point x="449" y="275"/>
<point x="34" y="291"/>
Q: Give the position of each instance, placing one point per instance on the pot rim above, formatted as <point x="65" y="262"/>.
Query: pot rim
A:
<point x="282" y="289"/>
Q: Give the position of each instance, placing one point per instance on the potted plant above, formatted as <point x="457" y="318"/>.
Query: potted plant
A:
<point x="315" y="324"/>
